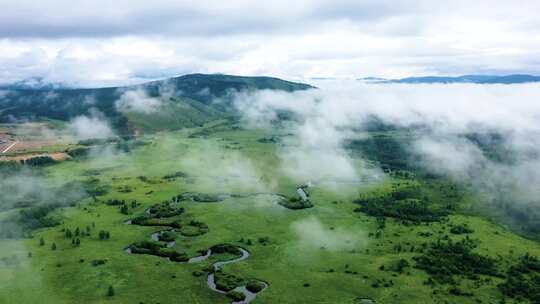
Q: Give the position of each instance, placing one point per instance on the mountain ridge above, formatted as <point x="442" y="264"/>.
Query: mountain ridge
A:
<point x="471" y="78"/>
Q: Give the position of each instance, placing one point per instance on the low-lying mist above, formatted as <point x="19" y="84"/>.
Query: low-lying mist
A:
<point x="32" y="196"/>
<point x="484" y="136"/>
<point x="311" y="233"/>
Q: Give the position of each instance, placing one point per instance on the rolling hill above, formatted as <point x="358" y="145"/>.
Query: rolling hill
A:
<point x="188" y="101"/>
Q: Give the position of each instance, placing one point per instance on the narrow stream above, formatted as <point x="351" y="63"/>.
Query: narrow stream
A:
<point x="249" y="296"/>
<point x="155" y="237"/>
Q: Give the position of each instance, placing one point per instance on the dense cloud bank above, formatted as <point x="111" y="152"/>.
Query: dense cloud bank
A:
<point x="110" y="43"/>
<point x="453" y="126"/>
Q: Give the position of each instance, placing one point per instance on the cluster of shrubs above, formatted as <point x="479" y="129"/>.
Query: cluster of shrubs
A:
<point x="255" y="286"/>
<point x="236" y="296"/>
<point x="93" y="187"/>
<point x="104" y="235"/>
<point x="160" y="215"/>
<point x="39" y="161"/>
<point x="115" y="202"/>
<point x="269" y="140"/>
<point x="167" y="236"/>
<point x="461" y="229"/>
<point x="207" y="198"/>
<point x="226" y="281"/>
<point x="194" y="228"/>
<point x="77" y="232"/>
<point x="226" y="248"/>
<point x="146" y="220"/>
<point x="125" y="189"/>
<point x="198" y="197"/>
<point x="399" y="266"/>
<point x="174" y="175"/>
<point x="382" y="282"/>
<point x="248" y="242"/>
<point x="78" y="152"/>
<point x="74" y="236"/>
<point x="158" y="249"/>
<point x="164" y="210"/>
<point x="97" y="141"/>
<point x="124" y="209"/>
<point x="98" y="262"/>
<point x="295" y="203"/>
<point x="38" y="216"/>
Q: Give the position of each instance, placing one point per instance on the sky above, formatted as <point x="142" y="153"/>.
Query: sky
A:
<point x="99" y="43"/>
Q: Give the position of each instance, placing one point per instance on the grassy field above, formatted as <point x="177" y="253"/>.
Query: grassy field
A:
<point x="325" y="254"/>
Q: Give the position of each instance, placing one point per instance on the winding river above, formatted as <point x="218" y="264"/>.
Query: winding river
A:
<point x="249" y="296"/>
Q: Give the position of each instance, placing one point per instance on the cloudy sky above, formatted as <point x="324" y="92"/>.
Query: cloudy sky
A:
<point x="94" y="43"/>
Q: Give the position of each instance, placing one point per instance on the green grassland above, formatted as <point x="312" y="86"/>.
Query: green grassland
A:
<point x="326" y="254"/>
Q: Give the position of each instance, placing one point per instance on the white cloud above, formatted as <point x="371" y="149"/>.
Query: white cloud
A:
<point x="312" y="234"/>
<point x="441" y="114"/>
<point x="92" y="126"/>
<point x="137" y="101"/>
<point x="131" y="41"/>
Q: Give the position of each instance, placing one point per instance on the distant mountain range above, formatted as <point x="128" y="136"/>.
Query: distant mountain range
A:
<point x="480" y="79"/>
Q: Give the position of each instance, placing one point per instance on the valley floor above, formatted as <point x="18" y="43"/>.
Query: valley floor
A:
<point x="328" y="253"/>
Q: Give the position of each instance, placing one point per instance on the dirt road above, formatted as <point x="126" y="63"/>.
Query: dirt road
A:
<point x="6" y="150"/>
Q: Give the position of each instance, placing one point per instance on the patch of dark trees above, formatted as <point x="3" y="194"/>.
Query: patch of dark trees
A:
<point x="390" y="152"/>
<point x="226" y="248"/>
<point x="98" y="141"/>
<point x="78" y="152"/>
<point x="173" y="176"/>
<point x="269" y="140"/>
<point x="167" y="236"/>
<point x="226" y="281"/>
<point x="164" y="209"/>
<point x="162" y="214"/>
<point x="193" y="228"/>
<point x="145" y="220"/>
<point x="295" y="203"/>
<point x="445" y="260"/>
<point x="236" y="296"/>
<point x="207" y="198"/>
<point x="158" y="249"/>
<point x="523" y="280"/>
<point x="36" y="161"/>
<point x="94" y="187"/>
<point x="461" y="229"/>
<point x="255" y="286"/>
<point x="36" y="209"/>
<point x="199" y="197"/>
<point x="413" y="210"/>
